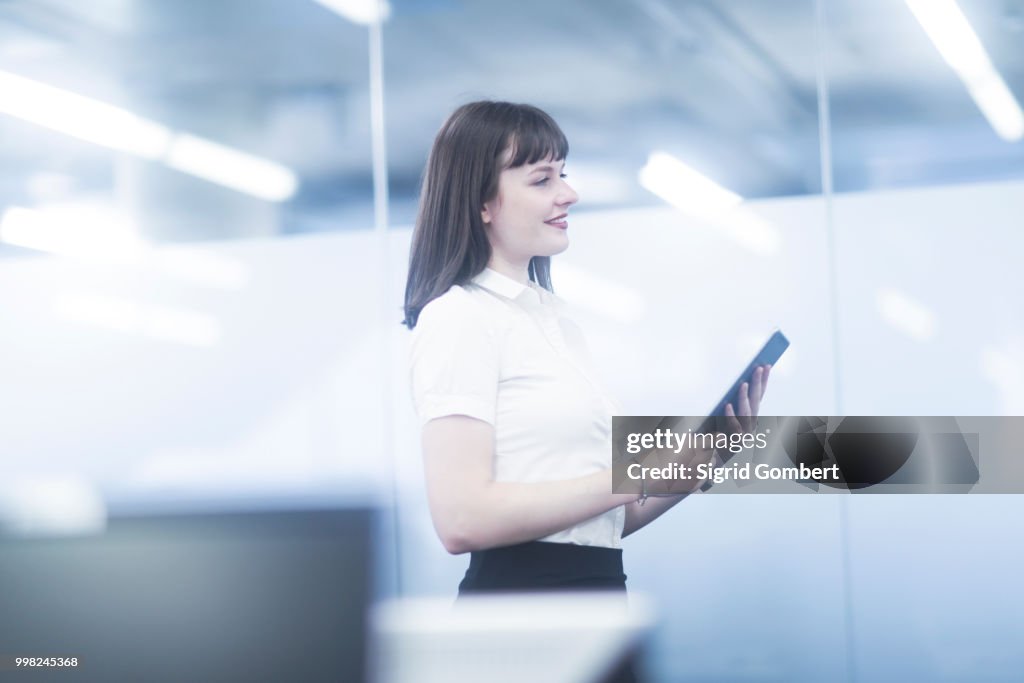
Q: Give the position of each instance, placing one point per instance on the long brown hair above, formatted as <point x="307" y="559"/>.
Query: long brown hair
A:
<point x="449" y="245"/>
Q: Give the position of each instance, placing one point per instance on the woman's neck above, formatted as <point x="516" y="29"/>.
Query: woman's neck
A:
<point x="519" y="273"/>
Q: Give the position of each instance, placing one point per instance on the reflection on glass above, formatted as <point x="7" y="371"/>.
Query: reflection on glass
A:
<point x="952" y="35"/>
<point x="194" y="121"/>
<point x="925" y="92"/>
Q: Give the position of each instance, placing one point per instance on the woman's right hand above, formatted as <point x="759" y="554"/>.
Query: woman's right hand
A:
<point x="748" y="402"/>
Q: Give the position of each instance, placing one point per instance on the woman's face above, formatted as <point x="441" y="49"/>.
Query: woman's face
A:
<point x="529" y="217"/>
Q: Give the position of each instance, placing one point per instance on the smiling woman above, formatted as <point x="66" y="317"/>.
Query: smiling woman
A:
<point x="529" y="216"/>
<point x="516" y="428"/>
<point x="489" y="177"/>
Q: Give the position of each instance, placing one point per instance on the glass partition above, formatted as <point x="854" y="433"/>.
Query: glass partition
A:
<point x="181" y="122"/>
<point x="926" y="130"/>
<point x="167" y="332"/>
<point x="925" y="93"/>
<point x="727" y="88"/>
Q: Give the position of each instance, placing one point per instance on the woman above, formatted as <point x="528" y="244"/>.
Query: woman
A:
<point x="516" y="431"/>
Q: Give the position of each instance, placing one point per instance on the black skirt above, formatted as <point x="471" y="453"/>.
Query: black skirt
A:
<point x="543" y="566"/>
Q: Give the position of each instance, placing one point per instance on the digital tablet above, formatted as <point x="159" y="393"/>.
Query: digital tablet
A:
<point x="768" y="355"/>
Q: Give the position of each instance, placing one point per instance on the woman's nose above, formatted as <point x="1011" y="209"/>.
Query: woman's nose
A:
<point x="568" y="195"/>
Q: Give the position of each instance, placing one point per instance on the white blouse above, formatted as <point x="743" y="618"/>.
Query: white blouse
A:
<point x="506" y="353"/>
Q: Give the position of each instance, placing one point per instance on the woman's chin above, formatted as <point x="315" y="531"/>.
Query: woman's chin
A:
<point x="558" y="246"/>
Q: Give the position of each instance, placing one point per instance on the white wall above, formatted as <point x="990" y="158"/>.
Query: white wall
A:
<point x="954" y="254"/>
<point x="219" y="368"/>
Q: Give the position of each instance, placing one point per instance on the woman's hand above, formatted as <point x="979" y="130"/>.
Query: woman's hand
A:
<point x="749" y="401"/>
<point x="686" y="460"/>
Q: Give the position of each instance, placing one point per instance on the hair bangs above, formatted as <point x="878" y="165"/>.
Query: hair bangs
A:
<point x="536" y="137"/>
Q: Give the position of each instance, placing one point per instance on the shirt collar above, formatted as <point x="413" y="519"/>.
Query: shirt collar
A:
<point x="501" y="285"/>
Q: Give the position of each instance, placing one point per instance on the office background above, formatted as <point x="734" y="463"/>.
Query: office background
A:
<point x="206" y="210"/>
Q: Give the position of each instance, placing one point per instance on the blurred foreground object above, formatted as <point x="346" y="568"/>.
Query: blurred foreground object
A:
<point x="272" y="595"/>
<point x="551" y="638"/>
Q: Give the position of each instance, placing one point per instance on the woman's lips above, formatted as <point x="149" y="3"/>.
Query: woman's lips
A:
<point x="559" y="222"/>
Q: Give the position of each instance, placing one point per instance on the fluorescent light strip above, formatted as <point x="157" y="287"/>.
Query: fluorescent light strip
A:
<point x="121" y="130"/>
<point x="231" y="168"/>
<point x="999" y="106"/>
<point x="362" y="12"/>
<point x="697" y="195"/>
<point x="951" y="33"/>
<point x="685" y="188"/>
<point x="81" y="117"/>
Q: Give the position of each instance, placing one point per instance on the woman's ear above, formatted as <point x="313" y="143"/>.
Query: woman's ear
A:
<point x="490" y="208"/>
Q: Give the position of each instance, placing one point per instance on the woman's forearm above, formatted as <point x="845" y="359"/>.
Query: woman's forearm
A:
<point x="639" y="516"/>
<point x="505" y="513"/>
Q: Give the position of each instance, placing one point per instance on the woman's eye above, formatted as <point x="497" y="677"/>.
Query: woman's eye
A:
<point x="563" y="175"/>
<point x="542" y="181"/>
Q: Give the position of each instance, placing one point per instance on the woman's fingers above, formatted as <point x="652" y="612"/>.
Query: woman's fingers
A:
<point x="758" y="386"/>
<point x="734" y="423"/>
<point x="764" y="379"/>
<point x="745" y="408"/>
<point x="742" y="401"/>
<point x="756" y="390"/>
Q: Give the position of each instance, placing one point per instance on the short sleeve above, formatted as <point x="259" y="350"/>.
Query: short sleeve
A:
<point x="454" y="361"/>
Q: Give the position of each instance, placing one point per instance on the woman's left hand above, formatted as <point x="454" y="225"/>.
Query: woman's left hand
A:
<point x="749" y="401"/>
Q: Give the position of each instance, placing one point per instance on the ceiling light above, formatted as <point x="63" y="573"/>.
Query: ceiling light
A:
<point x="999" y="106"/>
<point x="700" y="197"/>
<point x="231" y="168"/>
<point x="684" y="187"/>
<point x="952" y="35"/>
<point x="81" y="117"/>
<point x="109" y="126"/>
<point x="364" y="12"/>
